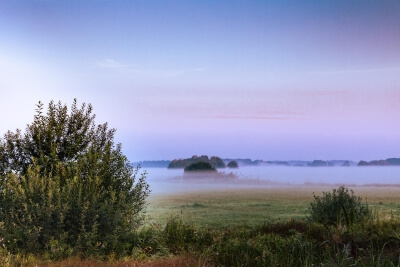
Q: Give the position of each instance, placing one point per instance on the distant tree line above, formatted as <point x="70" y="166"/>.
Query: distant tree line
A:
<point x="320" y="163"/>
<point x="387" y="162"/>
<point x="152" y="163"/>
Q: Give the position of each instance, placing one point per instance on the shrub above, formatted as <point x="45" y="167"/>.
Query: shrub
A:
<point x="64" y="181"/>
<point x="338" y="206"/>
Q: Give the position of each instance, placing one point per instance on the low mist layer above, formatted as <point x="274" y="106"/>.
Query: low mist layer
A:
<point x="176" y="180"/>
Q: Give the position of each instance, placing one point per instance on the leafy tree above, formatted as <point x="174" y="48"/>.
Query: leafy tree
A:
<point x="233" y="164"/>
<point x="338" y="206"/>
<point x="64" y="183"/>
<point x="217" y="162"/>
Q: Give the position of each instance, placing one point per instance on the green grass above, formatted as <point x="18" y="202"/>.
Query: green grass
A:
<point x="256" y="206"/>
<point x="266" y="227"/>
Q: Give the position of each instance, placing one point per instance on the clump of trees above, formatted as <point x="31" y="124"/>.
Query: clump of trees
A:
<point x="340" y="206"/>
<point x="66" y="187"/>
<point x="382" y="162"/>
<point x="216" y="162"/>
<point x="200" y="166"/>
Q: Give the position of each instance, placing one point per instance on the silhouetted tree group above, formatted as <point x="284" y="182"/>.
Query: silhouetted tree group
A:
<point x="215" y="162"/>
<point x="200" y="166"/>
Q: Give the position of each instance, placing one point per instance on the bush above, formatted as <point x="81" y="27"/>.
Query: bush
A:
<point x="340" y="206"/>
<point x="65" y="182"/>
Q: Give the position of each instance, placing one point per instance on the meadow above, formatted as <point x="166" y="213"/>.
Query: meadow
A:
<point x="256" y="206"/>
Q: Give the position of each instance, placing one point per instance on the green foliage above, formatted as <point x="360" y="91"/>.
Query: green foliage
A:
<point x="233" y="164"/>
<point x="182" y="237"/>
<point x="200" y="166"/>
<point x="338" y="206"/>
<point x="275" y="243"/>
<point x="66" y="187"/>
<point x="287" y="243"/>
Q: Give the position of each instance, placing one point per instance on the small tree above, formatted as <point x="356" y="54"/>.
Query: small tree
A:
<point x="65" y="183"/>
<point x="339" y="206"/>
<point x="217" y="162"/>
<point x="233" y="164"/>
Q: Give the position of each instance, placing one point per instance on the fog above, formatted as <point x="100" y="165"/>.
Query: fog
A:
<point x="169" y="181"/>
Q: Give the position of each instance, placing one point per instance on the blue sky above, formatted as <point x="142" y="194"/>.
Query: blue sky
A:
<point x="259" y="79"/>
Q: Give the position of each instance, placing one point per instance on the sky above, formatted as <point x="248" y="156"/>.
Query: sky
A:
<point x="272" y="80"/>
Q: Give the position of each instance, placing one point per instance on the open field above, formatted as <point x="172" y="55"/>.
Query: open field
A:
<point x="255" y="206"/>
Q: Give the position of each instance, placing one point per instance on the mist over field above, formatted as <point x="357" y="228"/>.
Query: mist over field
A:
<point x="171" y="181"/>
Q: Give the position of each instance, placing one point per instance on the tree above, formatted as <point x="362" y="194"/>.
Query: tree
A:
<point x="217" y="162"/>
<point x="233" y="164"/>
<point x="65" y="182"/>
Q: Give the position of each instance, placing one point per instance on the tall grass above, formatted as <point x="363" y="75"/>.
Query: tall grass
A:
<point x="296" y="242"/>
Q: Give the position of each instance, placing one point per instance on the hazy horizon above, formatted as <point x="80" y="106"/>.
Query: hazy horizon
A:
<point x="277" y="160"/>
<point x="255" y="79"/>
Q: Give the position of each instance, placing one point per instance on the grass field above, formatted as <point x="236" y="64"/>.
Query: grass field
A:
<point x="256" y="206"/>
